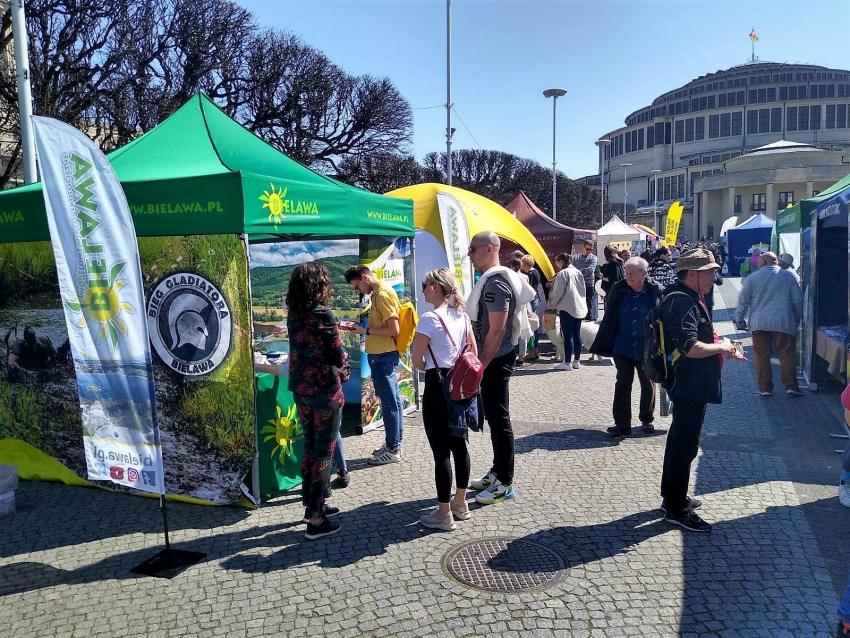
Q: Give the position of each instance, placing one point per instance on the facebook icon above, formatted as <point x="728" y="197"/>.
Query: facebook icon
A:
<point x="149" y="477"/>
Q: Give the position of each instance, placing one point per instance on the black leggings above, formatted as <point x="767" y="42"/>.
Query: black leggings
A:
<point x="443" y="443"/>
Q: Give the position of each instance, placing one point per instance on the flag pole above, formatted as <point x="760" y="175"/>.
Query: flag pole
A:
<point x="22" y="68"/>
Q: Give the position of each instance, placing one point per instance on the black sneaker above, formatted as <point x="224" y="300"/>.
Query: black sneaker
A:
<point x="690" y="504"/>
<point x="325" y="528"/>
<point x="327" y="512"/>
<point x="647" y="428"/>
<point x="688" y="520"/>
<point x="342" y="480"/>
<point x="616" y="431"/>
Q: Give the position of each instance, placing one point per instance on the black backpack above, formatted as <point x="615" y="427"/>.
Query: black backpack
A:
<point x="657" y="361"/>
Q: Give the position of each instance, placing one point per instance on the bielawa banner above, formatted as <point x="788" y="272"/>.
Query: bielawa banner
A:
<point x="456" y="239"/>
<point x="100" y="281"/>
<point x="674" y="217"/>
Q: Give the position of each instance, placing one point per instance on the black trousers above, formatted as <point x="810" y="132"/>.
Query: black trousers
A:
<point x="444" y="445"/>
<point x="681" y="450"/>
<point x="495" y="407"/>
<point x="623" y="392"/>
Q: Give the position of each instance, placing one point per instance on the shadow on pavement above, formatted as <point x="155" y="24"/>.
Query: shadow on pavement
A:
<point x="42" y="519"/>
<point x="559" y="440"/>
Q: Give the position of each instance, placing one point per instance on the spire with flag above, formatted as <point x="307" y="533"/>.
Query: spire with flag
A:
<point x="754" y="37"/>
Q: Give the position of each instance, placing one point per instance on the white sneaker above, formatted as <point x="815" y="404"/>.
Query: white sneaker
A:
<point x="576" y="364"/>
<point x="484" y="482"/>
<point x="435" y="521"/>
<point x="385" y="457"/>
<point x="562" y="366"/>
<point x="495" y="493"/>
<point x="844" y="495"/>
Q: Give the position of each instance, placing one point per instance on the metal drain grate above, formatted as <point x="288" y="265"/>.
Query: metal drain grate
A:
<point x="504" y="565"/>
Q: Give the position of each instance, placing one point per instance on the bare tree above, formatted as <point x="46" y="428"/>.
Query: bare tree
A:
<point x="382" y="172"/>
<point x="116" y="69"/>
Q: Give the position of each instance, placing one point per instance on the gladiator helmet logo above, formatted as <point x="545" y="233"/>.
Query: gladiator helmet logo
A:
<point x="190" y="323"/>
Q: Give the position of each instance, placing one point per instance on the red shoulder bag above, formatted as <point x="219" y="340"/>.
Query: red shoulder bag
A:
<point x="464" y="378"/>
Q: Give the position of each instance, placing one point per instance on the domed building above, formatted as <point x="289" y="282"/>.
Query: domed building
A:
<point x="748" y="139"/>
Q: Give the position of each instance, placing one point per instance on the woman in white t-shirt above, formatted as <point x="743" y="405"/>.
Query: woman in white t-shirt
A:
<point x="441" y="334"/>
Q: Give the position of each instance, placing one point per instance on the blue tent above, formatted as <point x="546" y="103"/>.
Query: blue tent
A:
<point x="756" y="230"/>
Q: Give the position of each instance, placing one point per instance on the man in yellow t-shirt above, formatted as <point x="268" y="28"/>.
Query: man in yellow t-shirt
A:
<point x="381" y="331"/>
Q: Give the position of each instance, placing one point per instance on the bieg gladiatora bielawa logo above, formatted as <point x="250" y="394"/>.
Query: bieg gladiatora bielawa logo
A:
<point x="189" y="323"/>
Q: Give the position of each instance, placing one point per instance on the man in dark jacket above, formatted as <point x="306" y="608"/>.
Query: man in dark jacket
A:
<point x="621" y="336"/>
<point x="689" y="337"/>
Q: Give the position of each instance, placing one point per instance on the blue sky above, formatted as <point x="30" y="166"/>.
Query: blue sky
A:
<point x="613" y="57"/>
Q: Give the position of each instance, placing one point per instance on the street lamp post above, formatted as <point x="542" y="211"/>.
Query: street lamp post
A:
<point x="602" y="144"/>
<point x="625" y="168"/>
<point x="555" y="94"/>
<point x="654" y="172"/>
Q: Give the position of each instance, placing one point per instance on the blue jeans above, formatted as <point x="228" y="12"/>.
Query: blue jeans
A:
<point x="385" y="379"/>
<point x="339" y="463"/>
<point x="592" y="301"/>
<point x="844" y="605"/>
<point x="571" y="332"/>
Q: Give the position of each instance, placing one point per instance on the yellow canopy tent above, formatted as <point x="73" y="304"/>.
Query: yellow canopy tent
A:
<point x="481" y="214"/>
<point x="645" y="229"/>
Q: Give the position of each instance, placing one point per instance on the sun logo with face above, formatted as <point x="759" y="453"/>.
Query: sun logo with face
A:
<point x="282" y="429"/>
<point x="275" y="201"/>
<point x="102" y="305"/>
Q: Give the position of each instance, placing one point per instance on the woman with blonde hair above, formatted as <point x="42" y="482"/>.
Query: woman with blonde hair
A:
<point x="441" y="335"/>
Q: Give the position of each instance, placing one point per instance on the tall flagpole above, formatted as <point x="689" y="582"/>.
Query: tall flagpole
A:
<point x="449" y="130"/>
<point x="22" y="67"/>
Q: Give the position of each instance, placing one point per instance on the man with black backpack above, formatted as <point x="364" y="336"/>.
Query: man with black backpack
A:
<point x="693" y="380"/>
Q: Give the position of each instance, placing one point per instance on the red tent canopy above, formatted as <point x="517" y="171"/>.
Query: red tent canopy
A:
<point x="553" y="236"/>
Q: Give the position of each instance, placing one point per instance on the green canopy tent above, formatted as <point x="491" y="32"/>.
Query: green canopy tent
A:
<point x="201" y="173"/>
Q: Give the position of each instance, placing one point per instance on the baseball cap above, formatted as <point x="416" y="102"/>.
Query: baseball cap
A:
<point x="787" y="258"/>
<point x="696" y="259"/>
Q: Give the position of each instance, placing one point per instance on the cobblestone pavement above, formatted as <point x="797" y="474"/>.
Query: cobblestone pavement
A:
<point x="773" y="565"/>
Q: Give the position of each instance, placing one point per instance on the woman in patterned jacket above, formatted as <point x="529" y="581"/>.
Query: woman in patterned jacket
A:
<point x="316" y="357"/>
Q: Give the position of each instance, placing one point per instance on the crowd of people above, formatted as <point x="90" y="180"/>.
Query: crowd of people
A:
<point x="499" y="325"/>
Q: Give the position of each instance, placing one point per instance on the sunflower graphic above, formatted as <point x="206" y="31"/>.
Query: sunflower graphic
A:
<point x="283" y="430"/>
<point x="102" y="305"/>
<point x="275" y="202"/>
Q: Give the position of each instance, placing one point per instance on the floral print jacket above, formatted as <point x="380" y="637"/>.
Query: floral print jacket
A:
<point x="315" y="354"/>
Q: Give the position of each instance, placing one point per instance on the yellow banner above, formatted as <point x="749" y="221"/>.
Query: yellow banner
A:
<point x="671" y="229"/>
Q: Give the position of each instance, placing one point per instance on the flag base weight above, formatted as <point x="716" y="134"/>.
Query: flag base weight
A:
<point x="168" y="563"/>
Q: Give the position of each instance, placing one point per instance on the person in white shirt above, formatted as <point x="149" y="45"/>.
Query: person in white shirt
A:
<point x="568" y="297"/>
<point x="441" y="335"/>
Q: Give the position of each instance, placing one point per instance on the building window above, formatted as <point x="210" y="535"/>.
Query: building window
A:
<point x="737" y="123"/>
<point x="814" y="117"/>
<point x="650" y="136"/>
<point x="680" y="131"/>
<point x="681" y="189"/>
<point x="775" y="120"/>
<point x="721" y="99"/>
<point x="737" y="210"/>
<point x="699" y="126"/>
<point x="791" y="118"/>
<point x="764" y="120"/>
<point x="725" y="126"/>
<point x="694" y="178"/>
<point x="753" y="96"/>
<point x="666" y="188"/>
<point x="759" y="202"/>
<point x="803" y="118"/>
<point x="830" y="116"/>
<point x="689" y="130"/>
<point x="841" y="116"/>
<point x="771" y="95"/>
<point x="783" y="93"/>
<point x="752" y="122"/>
<point x="713" y="126"/>
<point x="659" y="133"/>
<point x="786" y="198"/>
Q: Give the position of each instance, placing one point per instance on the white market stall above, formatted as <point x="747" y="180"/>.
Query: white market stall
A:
<point x="615" y="233"/>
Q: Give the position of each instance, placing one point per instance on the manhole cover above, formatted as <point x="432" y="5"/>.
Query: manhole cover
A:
<point x="504" y="564"/>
